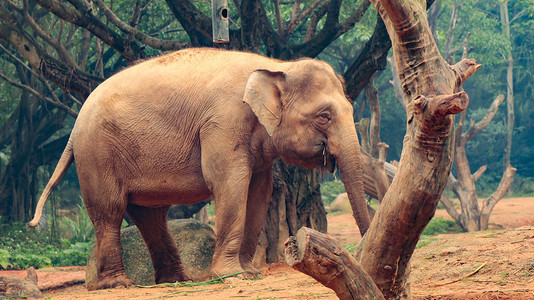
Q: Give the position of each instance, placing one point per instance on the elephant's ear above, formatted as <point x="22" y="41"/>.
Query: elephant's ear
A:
<point x="263" y="94"/>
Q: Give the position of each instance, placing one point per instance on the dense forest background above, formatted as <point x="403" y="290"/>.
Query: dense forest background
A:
<point x="53" y="53"/>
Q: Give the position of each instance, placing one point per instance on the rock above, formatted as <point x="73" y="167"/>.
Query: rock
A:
<point x="16" y="287"/>
<point x="341" y="203"/>
<point x="196" y="243"/>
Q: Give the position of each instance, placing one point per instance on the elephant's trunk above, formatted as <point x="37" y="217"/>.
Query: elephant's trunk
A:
<point x="346" y="148"/>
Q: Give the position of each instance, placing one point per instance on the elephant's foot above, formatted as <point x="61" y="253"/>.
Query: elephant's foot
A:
<point x="110" y="282"/>
<point x="250" y="269"/>
<point x="171" y="277"/>
<point x="236" y="273"/>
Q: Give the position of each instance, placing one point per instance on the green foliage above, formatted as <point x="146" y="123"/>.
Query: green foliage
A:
<point x="23" y="247"/>
<point x="342" y="51"/>
<point x="437" y="226"/>
<point x="523" y="187"/>
<point x="350" y="247"/>
<point x="80" y="228"/>
<point x="72" y="254"/>
<point x="440" y="225"/>
<point x="330" y="190"/>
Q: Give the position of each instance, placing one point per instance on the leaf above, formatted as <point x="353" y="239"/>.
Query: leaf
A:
<point x="4" y="262"/>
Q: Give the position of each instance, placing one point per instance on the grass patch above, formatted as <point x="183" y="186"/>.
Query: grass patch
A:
<point x="424" y="241"/>
<point x="437" y="226"/>
<point x="335" y="213"/>
<point x="350" y="247"/>
<point x="220" y="279"/>
<point x="440" y="225"/>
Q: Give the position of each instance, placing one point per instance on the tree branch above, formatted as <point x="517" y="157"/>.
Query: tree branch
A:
<point x="84" y="18"/>
<point x="476" y="128"/>
<point x="279" y="23"/>
<point x="371" y="92"/>
<point x="371" y="59"/>
<point x="196" y="24"/>
<point x="38" y="95"/>
<point x="504" y="185"/>
<point x="63" y="53"/>
<point x="314" y="20"/>
<point x="52" y="69"/>
<point x="449" y="207"/>
<point x="155" y="43"/>
<point x="447" y="53"/>
<point x="331" y="30"/>
<point x="464" y="69"/>
<point x="296" y="19"/>
<point x="479" y="173"/>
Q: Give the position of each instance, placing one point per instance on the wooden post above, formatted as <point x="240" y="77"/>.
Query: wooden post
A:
<point x="219" y="21"/>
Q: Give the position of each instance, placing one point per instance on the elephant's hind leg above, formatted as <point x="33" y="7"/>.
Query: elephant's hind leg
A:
<point x="107" y="220"/>
<point x="152" y="223"/>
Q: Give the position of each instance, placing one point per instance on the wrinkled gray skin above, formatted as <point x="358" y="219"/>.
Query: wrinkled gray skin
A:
<point x="196" y="123"/>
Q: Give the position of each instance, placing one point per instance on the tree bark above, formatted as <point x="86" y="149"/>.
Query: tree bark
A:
<point x="296" y="202"/>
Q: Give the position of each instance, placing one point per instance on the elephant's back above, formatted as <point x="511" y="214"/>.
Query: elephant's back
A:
<point x="164" y="103"/>
<point x="190" y="77"/>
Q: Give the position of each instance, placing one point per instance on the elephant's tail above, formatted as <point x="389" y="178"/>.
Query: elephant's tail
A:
<point x="62" y="166"/>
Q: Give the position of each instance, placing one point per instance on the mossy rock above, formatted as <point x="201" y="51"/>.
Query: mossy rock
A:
<point x="341" y="203"/>
<point x="196" y="243"/>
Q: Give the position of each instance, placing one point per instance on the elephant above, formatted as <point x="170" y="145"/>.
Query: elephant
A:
<point x="198" y="123"/>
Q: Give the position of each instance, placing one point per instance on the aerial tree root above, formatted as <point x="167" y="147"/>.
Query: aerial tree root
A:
<point x="324" y="258"/>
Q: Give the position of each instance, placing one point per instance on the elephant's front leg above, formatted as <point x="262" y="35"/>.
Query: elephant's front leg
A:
<point x="228" y="179"/>
<point x="259" y="196"/>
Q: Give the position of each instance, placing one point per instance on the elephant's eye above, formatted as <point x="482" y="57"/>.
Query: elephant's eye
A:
<point x="324" y="118"/>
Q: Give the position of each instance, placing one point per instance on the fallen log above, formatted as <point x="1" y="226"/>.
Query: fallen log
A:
<point x="324" y="258"/>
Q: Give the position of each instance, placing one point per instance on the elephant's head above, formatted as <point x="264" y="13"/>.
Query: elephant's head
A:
<point x="304" y="109"/>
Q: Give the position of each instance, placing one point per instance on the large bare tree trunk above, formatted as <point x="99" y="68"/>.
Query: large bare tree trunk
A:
<point x="429" y="84"/>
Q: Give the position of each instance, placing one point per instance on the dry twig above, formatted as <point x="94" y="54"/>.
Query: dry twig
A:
<point x="461" y="278"/>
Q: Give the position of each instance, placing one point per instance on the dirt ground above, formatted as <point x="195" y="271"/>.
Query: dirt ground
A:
<point x="446" y="268"/>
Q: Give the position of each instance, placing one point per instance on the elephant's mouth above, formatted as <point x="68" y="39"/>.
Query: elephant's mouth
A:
<point x="320" y="158"/>
<point x="329" y="161"/>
